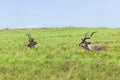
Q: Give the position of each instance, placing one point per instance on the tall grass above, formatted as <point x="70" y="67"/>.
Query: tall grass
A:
<point x="57" y="55"/>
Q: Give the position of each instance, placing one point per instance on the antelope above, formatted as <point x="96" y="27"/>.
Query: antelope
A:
<point x="87" y="45"/>
<point x="31" y="43"/>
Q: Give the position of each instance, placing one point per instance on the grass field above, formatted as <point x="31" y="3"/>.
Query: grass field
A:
<point x="57" y="55"/>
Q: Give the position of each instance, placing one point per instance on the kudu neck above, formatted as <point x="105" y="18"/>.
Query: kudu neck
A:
<point x="87" y="46"/>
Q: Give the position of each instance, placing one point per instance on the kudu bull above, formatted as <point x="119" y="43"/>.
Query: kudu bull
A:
<point x="31" y="43"/>
<point x="87" y="45"/>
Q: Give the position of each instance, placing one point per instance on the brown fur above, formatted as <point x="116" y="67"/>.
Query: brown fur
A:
<point x="90" y="47"/>
<point x="97" y="47"/>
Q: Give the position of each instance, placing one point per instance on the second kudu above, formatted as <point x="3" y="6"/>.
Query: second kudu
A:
<point x="87" y="45"/>
<point x="32" y="42"/>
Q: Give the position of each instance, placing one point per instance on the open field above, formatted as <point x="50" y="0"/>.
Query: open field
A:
<point x="57" y="55"/>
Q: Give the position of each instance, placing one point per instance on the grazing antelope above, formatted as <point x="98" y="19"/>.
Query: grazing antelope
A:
<point x="31" y="43"/>
<point x="87" y="45"/>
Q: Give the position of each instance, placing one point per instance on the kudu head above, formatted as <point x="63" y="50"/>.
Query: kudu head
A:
<point x="84" y="43"/>
<point x="31" y="43"/>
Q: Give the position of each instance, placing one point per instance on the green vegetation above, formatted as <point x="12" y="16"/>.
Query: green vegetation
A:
<point x="57" y="55"/>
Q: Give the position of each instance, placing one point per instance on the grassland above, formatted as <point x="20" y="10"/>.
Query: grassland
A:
<point x="57" y="55"/>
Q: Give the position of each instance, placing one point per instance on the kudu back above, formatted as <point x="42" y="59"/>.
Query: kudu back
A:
<point x="87" y="45"/>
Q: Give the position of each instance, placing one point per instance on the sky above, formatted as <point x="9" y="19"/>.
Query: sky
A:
<point x="59" y="13"/>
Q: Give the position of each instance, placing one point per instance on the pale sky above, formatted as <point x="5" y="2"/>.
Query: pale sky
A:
<point x="59" y="13"/>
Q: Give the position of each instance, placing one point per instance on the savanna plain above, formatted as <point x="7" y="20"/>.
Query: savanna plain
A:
<point x="58" y="56"/>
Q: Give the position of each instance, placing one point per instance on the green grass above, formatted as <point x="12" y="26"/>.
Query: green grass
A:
<point x="57" y="55"/>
